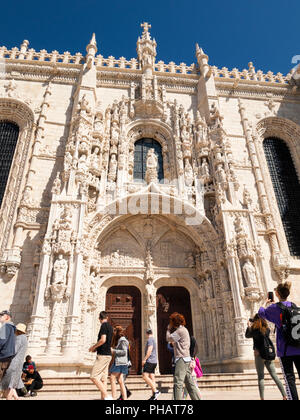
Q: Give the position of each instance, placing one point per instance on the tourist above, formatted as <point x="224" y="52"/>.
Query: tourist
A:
<point x="103" y="348"/>
<point x="32" y="381"/>
<point x="7" y="342"/>
<point x="289" y="355"/>
<point x="180" y="337"/>
<point x="258" y="330"/>
<point x="149" y="364"/>
<point x="125" y="376"/>
<point x="196" y="369"/>
<point x="28" y="362"/>
<point x="12" y="378"/>
<point x="119" y="368"/>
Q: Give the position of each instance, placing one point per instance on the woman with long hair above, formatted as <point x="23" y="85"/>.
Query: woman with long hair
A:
<point x="119" y="368"/>
<point x="258" y="330"/>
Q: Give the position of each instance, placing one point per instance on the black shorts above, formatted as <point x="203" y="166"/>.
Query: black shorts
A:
<point x="149" y="367"/>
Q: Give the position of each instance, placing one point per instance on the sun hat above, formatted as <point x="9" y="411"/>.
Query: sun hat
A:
<point x="21" y="327"/>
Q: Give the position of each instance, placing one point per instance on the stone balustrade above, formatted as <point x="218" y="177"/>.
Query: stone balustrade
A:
<point x="122" y="63"/>
<point x="250" y="74"/>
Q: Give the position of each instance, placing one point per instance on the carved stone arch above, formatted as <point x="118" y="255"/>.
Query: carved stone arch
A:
<point x="289" y="132"/>
<point x="19" y="113"/>
<point x="160" y="132"/>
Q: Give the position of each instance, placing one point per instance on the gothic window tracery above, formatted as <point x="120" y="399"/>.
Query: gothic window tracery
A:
<point x="9" y="133"/>
<point x="287" y="189"/>
<point x="141" y="148"/>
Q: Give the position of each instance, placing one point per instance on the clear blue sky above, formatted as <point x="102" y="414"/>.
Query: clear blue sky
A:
<point x="231" y="32"/>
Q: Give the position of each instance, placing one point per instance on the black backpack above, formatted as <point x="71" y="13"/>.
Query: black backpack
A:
<point x="267" y="349"/>
<point x="290" y="324"/>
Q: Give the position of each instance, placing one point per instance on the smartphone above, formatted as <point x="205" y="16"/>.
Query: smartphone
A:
<point x="271" y="296"/>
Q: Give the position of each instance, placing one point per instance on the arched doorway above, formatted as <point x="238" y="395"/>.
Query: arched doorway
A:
<point x="123" y="304"/>
<point x="169" y="300"/>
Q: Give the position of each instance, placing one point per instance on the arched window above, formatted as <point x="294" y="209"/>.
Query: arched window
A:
<point x="9" y="133"/>
<point x="287" y="189"/>
<point x="141" y="148"/>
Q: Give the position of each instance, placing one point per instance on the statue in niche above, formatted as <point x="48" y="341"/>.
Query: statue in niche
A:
<point x="151" y="166"/>
<point x="151" y="293"/>
<point x="249" y="273"/>
<point x="68" y="162"/>
<point x="56" y="185"/>
<point x="205" y="168"/>
<point x="84" y="105"/>
<point x="114" y="134"/>
<point x="95" y="161"/>
<point x="190" y="260"/>
<point x="60" y="268"/>
<point x="220" y="174"/>
<point x="82" y="163"/>
<point x="112" y="168"/>
<point x="188" y="172"/>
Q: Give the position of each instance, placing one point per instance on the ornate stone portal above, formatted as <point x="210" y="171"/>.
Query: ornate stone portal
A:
<point x="77" y="223"/>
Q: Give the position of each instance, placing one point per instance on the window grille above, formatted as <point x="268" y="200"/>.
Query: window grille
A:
<point x="287" y="189"/>
<point x="9" y="133"/>
<point x="141" y="149"/>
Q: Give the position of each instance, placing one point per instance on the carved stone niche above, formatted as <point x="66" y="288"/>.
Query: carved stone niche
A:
<point x="147" y="103"/>
<point x="148" y="108"/>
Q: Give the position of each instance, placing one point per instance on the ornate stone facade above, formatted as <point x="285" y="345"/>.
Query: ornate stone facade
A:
<point x="74" y="222"/>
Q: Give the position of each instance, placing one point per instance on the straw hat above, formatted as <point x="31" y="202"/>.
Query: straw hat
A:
<point x="21" y="327"/>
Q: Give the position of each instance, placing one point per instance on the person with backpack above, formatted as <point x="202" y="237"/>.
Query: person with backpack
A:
<point x="286" y="316"/>
<point x="264" y="353"/>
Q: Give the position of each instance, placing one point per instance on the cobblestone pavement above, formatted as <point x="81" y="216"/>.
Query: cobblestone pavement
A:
<point x="270" y="394"/>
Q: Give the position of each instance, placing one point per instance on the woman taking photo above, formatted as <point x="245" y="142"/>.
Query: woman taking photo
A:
<point x="264" y="353"/>
<point x="119" y="368"/>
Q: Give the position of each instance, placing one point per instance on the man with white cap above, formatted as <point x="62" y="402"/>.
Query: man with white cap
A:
<point x="7" y="341"/>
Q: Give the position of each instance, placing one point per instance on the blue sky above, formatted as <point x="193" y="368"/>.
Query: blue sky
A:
<point x="231" y="32"/>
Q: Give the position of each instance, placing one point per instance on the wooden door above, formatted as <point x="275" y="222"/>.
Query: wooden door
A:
<point x="123" y="305"/>
<point x="169" y="300"/>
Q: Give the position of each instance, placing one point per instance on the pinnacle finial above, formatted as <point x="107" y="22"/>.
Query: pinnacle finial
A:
<point x="93" y="40"/>
<point x="146" y="27"/>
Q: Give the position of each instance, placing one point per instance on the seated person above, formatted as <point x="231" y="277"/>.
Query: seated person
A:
<point x="28" y="361"/>
<point x="32" y="381"/>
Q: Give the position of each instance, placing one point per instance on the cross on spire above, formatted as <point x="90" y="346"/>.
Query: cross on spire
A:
<point x="146" y="27"/>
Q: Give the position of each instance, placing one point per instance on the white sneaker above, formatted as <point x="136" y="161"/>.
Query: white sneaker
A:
<point x="109" y="397"/>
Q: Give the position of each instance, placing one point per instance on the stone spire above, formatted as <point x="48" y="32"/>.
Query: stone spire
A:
<point x="91" y="50"/>
<point x="202" y="59"/>
<point x="146" y="50"/>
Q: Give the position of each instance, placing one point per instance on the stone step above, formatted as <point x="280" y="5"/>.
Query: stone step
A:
<point x="212" y="382"/>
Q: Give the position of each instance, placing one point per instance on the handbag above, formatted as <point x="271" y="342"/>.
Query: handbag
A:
<point x="198" y="369"/>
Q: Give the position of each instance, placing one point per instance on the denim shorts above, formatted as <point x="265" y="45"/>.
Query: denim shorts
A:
<point x="119" y="369"/>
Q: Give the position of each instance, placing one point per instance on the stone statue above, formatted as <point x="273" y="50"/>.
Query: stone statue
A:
<point x="95" y="161"/>
<point x="188" y="173"/>
<point x="112" y="168"/>
<point x="151" y="294"/>
<point x="60" y="268"/>
<point x="56" y="185"/>
<point x="151" y="165"/>
<point x="205" y="169"/>
<point x="249" y="274"/>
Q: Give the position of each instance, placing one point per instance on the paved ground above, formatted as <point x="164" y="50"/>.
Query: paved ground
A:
<point x="270" y="394"/>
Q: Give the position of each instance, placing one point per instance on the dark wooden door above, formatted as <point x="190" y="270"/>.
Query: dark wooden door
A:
<point x="123" y="305"/>
<point x="169" y="300"/>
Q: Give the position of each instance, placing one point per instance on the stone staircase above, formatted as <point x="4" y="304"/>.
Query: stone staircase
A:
<point x="209" y="382"/>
